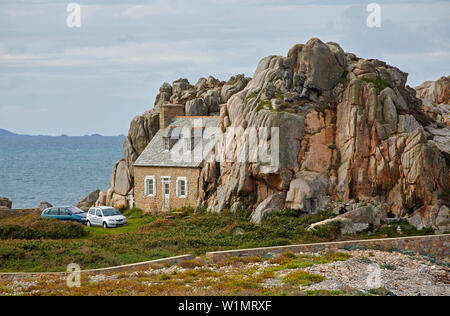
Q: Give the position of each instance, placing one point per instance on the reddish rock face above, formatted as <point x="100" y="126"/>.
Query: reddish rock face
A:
<point x="362" y="136"/>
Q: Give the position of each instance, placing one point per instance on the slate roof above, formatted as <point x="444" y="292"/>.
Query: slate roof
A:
<point x="200" y="129"/>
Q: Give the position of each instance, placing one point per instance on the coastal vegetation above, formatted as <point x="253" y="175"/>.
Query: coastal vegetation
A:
<point x="152" y="237"/>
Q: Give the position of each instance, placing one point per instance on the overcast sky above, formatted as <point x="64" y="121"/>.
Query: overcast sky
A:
<point x="95" y="79"/>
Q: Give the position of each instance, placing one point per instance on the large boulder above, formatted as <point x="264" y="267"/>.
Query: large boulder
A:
<point x="89" y="200"/>
<point x="102" y="196"/>
<point x="196" y="107"/>
<point x="235" y="84"/>
<point x="356" y="220"/>
<point x="435" y="92"/>
<point x="438" y="218"/>
<point x="273" y="203"/>
<point x="180" y="86"/>
<point x="441" y="137"/>
<point x="435" y="96"/>
<point x="308" y="192"/>
<point x="212" y="100"/>
<point x="5" y="202"/>
<point x="44" y="205"/>
<point x="165" y="92"/>
<point x="120" y="180"/>
<point x="319" y="64"/>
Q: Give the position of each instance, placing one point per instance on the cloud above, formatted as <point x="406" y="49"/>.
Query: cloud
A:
<point x="146" y="53"/>
<point x="22" y="13"/>
<point x="127" y="53"/>
<point x="125" y="49"/>
<point x="158" y="8"/>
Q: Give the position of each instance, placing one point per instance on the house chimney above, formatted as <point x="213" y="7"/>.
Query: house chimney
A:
<point x="167" y="112"/>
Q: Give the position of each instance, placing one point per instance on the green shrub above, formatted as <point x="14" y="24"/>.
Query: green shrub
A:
<point x="379" y="84"/>
<point x="38" y="228"/>
<point x="322" y="293"/>
<point x="191" y="264"/>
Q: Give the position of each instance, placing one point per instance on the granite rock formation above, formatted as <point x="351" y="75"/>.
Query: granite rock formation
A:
<point x="348" y="129"/>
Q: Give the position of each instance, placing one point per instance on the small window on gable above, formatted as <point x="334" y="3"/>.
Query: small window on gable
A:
<point x="182" y="187"/>
<point x="166" y="143"/>
<point x="150" y="186"/>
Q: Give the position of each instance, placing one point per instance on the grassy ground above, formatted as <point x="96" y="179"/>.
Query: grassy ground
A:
<point x="149" y="237"/>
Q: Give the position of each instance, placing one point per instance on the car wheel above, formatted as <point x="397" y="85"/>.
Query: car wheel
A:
<point x="105" y="226"/>
<point x="88" y="224"/>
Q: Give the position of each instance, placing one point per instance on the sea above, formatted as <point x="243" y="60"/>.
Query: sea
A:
<point x="59" y="170"/>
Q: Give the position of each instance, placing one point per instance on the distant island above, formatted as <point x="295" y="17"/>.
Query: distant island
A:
<point x="4" y="133"/>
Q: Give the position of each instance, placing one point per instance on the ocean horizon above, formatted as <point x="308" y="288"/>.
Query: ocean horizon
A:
<point x="60" y="170"/>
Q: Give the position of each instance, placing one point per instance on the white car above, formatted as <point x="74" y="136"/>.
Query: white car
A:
<point x="105" y="216"/>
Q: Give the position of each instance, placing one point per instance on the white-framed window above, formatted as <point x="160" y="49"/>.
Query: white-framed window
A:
<point x="182" y="187"/>
<point x="166" y="143"/>
<point x="150" y="186"/>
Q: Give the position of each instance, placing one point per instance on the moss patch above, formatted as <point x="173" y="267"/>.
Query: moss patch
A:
<point x="302" y="278"/>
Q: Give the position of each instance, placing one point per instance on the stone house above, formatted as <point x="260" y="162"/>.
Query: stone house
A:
<point x="167" y="173"/>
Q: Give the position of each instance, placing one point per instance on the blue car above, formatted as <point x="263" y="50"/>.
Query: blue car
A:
<point x="65" y="213"/>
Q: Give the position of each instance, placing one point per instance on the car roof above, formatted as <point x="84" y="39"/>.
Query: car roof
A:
<point x="102" y="207"/>
<point x="61" y="206"/>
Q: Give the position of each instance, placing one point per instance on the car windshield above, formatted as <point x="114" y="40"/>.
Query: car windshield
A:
<point x="75" y="210"/>
<point x="110" y="212"/>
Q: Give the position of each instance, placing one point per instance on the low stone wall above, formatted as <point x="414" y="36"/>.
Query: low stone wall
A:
<point x="37" y="275"/>
<point x="8" y="213"/>
<point x="437" y="245"/>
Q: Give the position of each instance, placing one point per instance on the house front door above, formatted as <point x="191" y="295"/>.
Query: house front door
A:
<point x="166" y="191"/>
